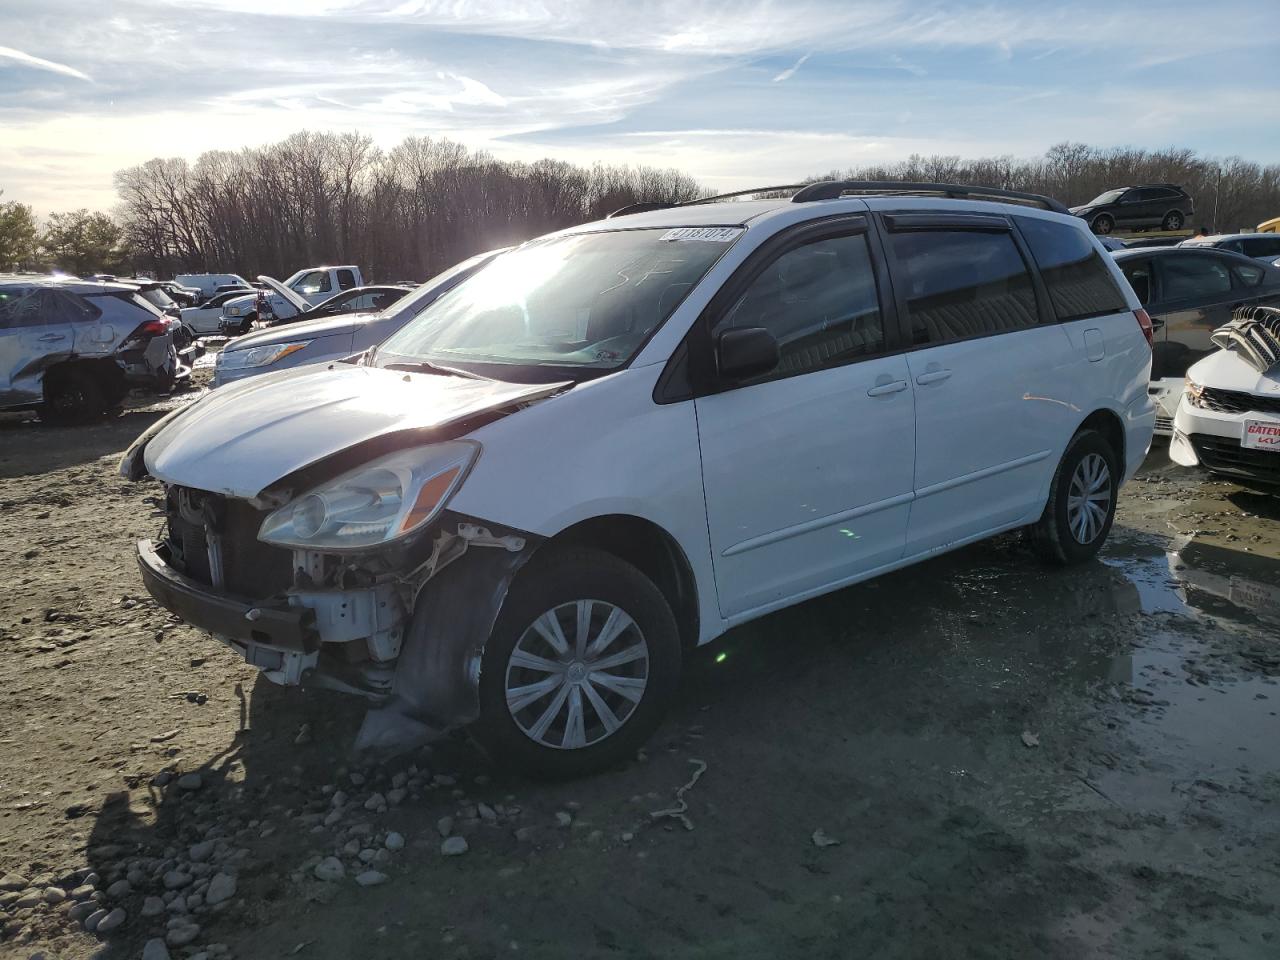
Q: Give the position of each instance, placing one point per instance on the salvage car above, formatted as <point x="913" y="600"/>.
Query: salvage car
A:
<point x="1229" y="417"/>
<point x="1190" y="292"/>
<point x="614" y="443"/>
<point x="305" y="289"/>
<point x="208" y="283"/>
<point x="205" y="319"/>
<point x="70" y="349"/>
<point x="332" y="337"/>
<point x="1163" y="205"/>
<point x="1260" y="246"/>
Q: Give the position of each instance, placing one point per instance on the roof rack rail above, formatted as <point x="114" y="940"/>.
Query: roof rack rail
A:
<point x="645" y="206"/>
<point x="831" y="189"/>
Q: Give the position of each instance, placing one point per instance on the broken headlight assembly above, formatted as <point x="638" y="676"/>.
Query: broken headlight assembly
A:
<point x="1195" y="393"/>
<point x="258" y="356"/>
<point x="381" y="501"/>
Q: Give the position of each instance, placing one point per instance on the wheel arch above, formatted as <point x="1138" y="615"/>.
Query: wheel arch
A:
<point x="651" y="550"/>
<point x="1108" y="423"/>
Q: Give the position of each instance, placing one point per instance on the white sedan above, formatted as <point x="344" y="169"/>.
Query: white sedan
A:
<point x="203" y="320"/>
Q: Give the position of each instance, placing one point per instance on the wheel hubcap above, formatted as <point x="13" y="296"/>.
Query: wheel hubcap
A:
<point x="1089" y="498"/>
<point x="576" y="675"/>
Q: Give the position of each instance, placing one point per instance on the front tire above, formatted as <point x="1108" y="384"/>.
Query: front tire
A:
<point x="1172" y="220"/>
<point x="1103" y="224"/>
<point x="582" y="665"/>
<point x="1082" y="502"/>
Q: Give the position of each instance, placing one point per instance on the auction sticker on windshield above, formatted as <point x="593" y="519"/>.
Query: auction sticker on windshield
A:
<point x="1261" y="435"/>
<point x="712" y="234"/>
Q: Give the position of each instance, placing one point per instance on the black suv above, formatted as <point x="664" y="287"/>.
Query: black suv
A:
<point x="1163" y="205"/>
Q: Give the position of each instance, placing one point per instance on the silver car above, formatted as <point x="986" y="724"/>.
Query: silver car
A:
<point x="70" y="349"/>
<point x="332" y="338"/>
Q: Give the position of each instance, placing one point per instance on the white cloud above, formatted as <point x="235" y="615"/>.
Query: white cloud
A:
<point x="39" y="63"/>
<point x="790" y="72"/>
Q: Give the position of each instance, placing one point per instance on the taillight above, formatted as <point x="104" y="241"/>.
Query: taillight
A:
<point x="152" y="328"/>
<point x="1148" y="331"/>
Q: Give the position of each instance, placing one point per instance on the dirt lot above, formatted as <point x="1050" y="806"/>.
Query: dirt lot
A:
<point x="977" y="757"/>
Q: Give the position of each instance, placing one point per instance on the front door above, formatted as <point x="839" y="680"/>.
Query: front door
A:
<point x="807" y="470"/>
<point x="993" y="386"/>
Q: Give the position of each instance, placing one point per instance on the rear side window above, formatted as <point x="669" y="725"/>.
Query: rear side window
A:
<point x="963" y="283"/>
<point x="1191" y="277"/>
<point x="70" y="308"/>
<point x="819" y="301"/>
<point x="1079" y="281"/>
<point x="346" y="279"/>
<point x="1247" y="275"/>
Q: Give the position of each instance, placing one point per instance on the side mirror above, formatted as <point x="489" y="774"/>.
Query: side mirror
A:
<point x="745" y="352"/>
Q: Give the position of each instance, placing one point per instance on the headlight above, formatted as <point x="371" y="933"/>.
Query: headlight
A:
<point x="383" y="500"/>
<point x="1195" y="393"/>
<point x="258" y="356"/>
<point x="233" y="311"/>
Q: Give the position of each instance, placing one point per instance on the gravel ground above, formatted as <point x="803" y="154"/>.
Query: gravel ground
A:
<point x="977" y="757"/>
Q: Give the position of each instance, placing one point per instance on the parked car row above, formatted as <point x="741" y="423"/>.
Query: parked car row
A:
<point x="71" y="349"/>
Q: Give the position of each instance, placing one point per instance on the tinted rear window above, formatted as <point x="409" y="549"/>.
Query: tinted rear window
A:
<point x="1079" y="281"/>
<point x="963" y="283"/>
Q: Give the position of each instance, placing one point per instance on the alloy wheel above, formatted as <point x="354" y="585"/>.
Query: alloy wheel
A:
<point x="1089" y="498"/>
<point x="576" y="674"/>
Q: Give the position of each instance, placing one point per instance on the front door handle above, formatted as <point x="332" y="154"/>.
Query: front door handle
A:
<point x="52" y="338"/>
<point x="883" y="389"/>
<point x="933" y="376"/>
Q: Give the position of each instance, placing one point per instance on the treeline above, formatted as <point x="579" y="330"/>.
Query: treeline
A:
<point x="404" y="213"/>
<point x="1230" y="195"/>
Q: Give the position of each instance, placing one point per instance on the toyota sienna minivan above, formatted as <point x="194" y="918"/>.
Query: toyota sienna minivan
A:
<point x="614" y="443"/>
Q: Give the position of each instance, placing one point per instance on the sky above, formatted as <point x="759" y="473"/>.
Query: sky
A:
<point x="737" y="94"/>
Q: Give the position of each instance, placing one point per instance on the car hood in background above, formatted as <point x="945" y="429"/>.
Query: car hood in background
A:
<point x="292" y="297"/>
<point x="302" y="330"/>
<point x="1226" y="370"/>
<point x="1079" y="210"/>
<point x="243" y="437"/>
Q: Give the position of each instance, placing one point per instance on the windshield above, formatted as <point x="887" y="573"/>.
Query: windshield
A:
<point x="588" y="300"/>
<point x="424" y="294"/>
<point x="1111" y="196"/>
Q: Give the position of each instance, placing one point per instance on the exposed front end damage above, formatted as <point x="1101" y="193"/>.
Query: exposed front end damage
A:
<point x="403" y="626"/>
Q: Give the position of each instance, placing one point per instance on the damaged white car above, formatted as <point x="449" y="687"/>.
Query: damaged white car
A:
<point x="612" y="444"/>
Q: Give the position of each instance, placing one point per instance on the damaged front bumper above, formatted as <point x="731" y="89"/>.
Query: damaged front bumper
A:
<point x="410" y="643"/>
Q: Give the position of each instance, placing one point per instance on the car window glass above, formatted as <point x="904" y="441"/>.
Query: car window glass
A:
<point x="19" y="307"/>
<point x="1261" y="246"/>
<point x="1247" y="274"/>
<point x="1079" y="281"/>
<point x="346" y="280"/>
<point x="1139" y="276"/>
<point x="818" y="300"/>
<point x="317" y="281"/>
<point x="1185" y="277"/>
<point x="963" y="283"/>
<point x="69" y="308"/>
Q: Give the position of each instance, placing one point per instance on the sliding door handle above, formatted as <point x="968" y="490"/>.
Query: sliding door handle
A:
<point x="933" y="376"/>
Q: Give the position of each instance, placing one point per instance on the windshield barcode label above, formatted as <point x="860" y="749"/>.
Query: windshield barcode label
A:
<point x="712" y="234"/>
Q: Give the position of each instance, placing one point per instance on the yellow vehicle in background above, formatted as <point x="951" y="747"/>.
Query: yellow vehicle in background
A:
<point x="1270" y="226"/>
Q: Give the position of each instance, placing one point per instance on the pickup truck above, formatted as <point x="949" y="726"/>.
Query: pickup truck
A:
<point x="310" y="285"/>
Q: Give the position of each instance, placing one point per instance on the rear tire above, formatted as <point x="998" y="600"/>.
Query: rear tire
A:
<point x="586" y="720"/>
<point x="1082" y="502"/>
<point x="1103" y="224"/>
<point x="1172" y="220"/>
<point x="75" y="397"/>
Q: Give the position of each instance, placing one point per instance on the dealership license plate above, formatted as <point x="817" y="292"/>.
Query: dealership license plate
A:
<point x="1261" y="435"/>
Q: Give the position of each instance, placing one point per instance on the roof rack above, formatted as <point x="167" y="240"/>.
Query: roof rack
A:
<point x="831" y="189"/>
<point x="645" y="206"/>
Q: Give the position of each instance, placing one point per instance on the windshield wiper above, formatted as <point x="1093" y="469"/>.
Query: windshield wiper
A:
<point x="427" y="366"/>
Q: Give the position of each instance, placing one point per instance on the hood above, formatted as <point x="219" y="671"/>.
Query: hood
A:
<point x="297" y="302"/>
<point x="245" y="436"/>
<point x="1079" y="210"/>
<point x="1227" y="370"/>
<point x="302" y="330"/>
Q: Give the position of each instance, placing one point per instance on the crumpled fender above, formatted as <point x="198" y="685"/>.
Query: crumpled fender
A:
<point x="437" y="680"/>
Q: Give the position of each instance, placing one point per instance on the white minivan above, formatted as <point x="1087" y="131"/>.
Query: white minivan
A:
<point x="616" y="442"/>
